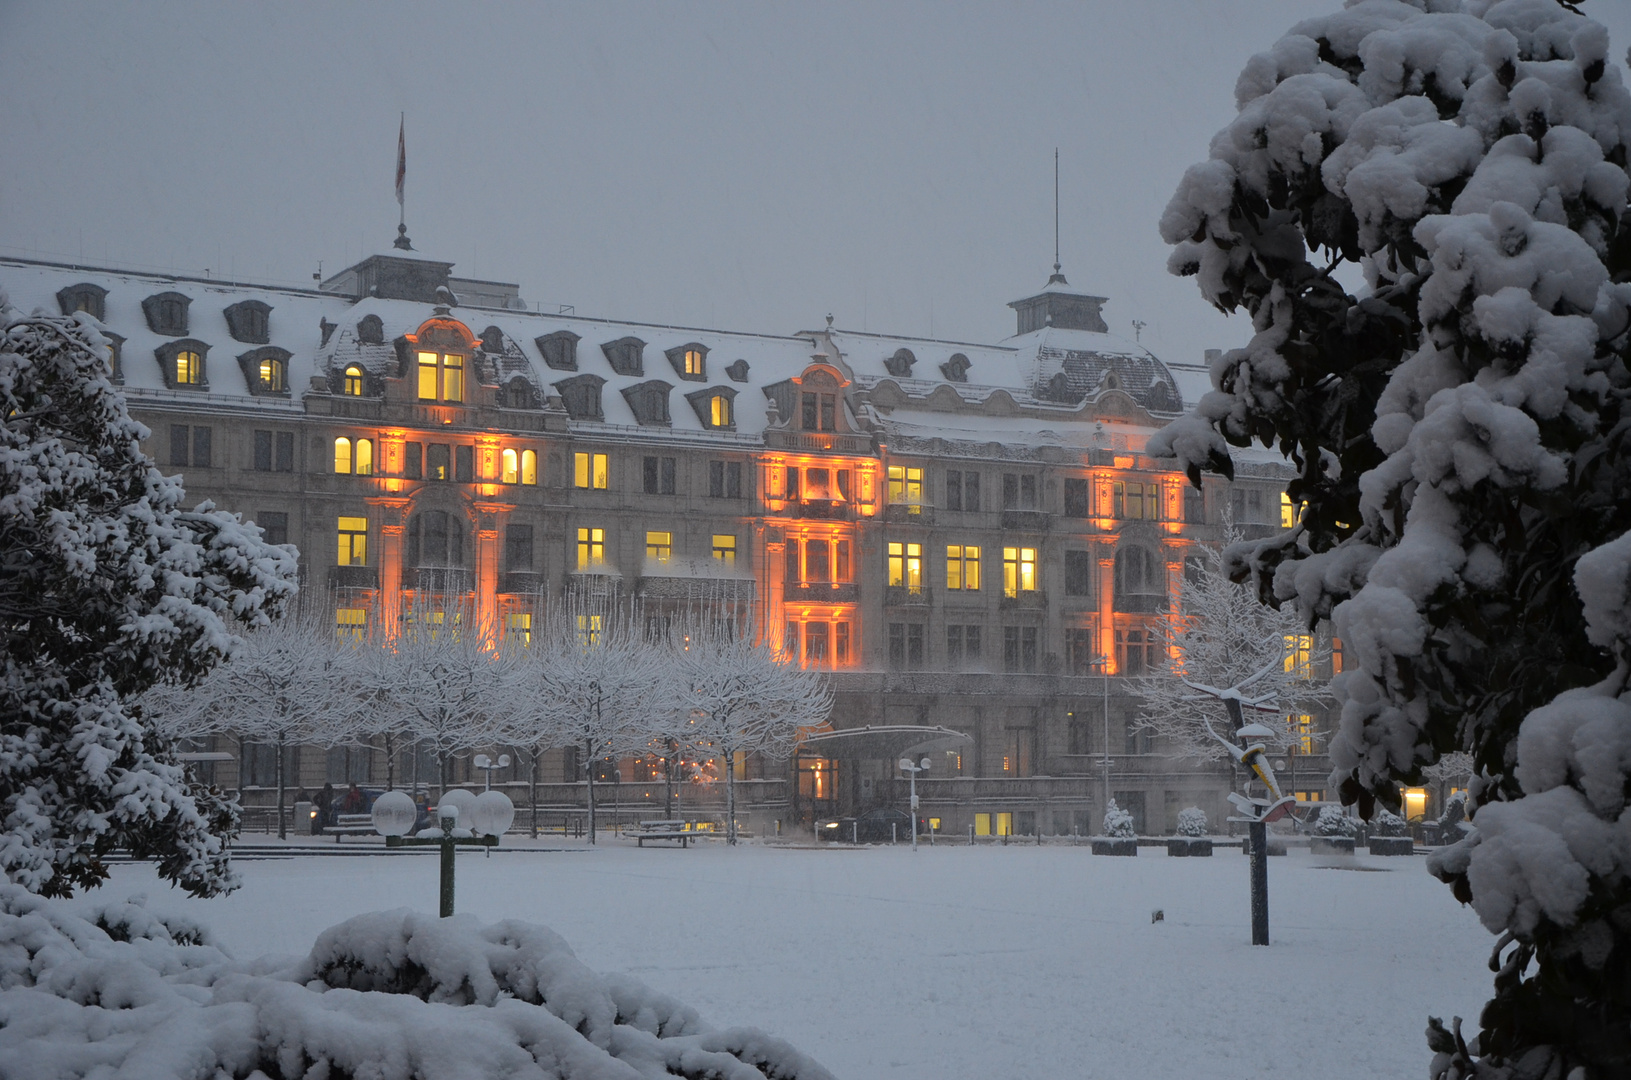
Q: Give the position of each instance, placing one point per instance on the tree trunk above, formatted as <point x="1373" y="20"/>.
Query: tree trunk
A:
<point x="589" y="776"/>
<point x="282" y="833"/>
<point x="532" y="792"/>
<point x="390" y="762"/>
<point x="668" y="781"/>
<point x="730" y="797"/>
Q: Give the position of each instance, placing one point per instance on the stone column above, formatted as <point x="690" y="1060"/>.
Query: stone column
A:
<point x="392" y="514"/>
<point x="1107" y="603"/>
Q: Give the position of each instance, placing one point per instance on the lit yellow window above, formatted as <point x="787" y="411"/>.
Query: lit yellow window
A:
<point x="588" y="630"/>
<point x="693" y="362"/>
<point x="189" y="368"/>
<point x="905" y="485"/>
<point x="906" y="566"/>
<point x="725" y="549"/>
<point x="271" y="373"/>
<point x="589" y="471"/>
<point x="659" y="546"/>
<point x="1018" y="570"/>
<point x="982" y="824"/>
<point x="1005" y="824"/>
<point x="1305" y="733"/>
<point x="428" y="370"/>
<point x="1298" y="649"/>
<point x="511" y="467"/>
<point x="962" y="566"/>
<point x="719" y="407"/>
<point x="342" y="455"/>
<point x="353" y="381"/>
<point x="453" y="377"/>
<point x="351" y="622"/>
<point x="591" y="548"/>
<point x="353" y="541"/>
<point x="529" y="466"/>
<point x="1289" y="514"/>
<point x="363" y="457"/>
<point x="518" y="627"/>
<point x="1415" y="803"/>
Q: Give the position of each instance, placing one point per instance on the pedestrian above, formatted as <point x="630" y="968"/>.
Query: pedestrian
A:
<point x="353" y="801"/>
<point x="325" y="808"/>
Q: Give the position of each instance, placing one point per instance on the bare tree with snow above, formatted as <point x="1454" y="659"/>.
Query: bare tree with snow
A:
<point x="739" y="696"/>
<point x="107" y="585"/>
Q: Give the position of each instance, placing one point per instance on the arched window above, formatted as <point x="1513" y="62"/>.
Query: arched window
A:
<point x="342" y="456"/>
<point x="512" y="467"/>
<point x="693" y="361"/>
<point x="719" y="410"/>
<point x="1140" y="583"/>
<point x="353" y="381"/>
<point x="529" y="466"/>
<point x="273" y="377"/>
<point x="435" y="539"/>
<point x="189" y="368"/>
<point x="364" y="457"/>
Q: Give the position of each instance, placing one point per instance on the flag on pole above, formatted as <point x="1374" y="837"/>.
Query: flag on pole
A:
<point x="401" y="158"/>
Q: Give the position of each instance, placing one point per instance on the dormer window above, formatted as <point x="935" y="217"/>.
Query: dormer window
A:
<point x="248" y="321"/>
<point x="266" y="370"/>
<point x="581" y="397"/>
<point x="689" y="361"/>
<point x="371" y="330"/>
<point x="820" y="412"/>
<point x="955" y="369"/>
<point x="900" y="365"/>
<point x="272" y="376"/>
<point x="626" y="355"/>
<point x="559" y="350"/>
<point x="518" y="394"/>
<point x="352" y="386"/>
<point x="167" y="313"/>
<point x="492" y="340"/>
<point x="737" y="371"/>
<point x="441" y="377"/>
<point x="715" y="407"/>
<point x="116" y="346"/>
<point x="86" y="297"/>
<point x="182" y="363"/>
<point x="649" y="403"/>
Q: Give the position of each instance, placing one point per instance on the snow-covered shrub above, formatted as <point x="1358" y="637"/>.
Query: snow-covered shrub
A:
<point x="1459" y="430"/>
<point x="1118" y="822"/>
<point x="1333" y="822"/>
<point x="1192" y="821"/>
<point x="1387" y="823"/>
<point x="390" y="996"/>
<point x="1455" y="812"/>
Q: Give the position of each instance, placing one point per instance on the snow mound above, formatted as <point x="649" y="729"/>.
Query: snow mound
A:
<point x="388" y="995"/>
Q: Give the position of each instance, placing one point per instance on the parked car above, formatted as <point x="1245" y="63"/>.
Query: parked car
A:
<point x="877" y="826"/>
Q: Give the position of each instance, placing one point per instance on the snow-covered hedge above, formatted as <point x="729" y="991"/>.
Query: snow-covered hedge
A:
<point x="1192" y="821"/>
<point x="392" y="995"/>
<point x="1333" y="822"/>
<point x="1117" y="822"/>
<point x="1387" y="823"/>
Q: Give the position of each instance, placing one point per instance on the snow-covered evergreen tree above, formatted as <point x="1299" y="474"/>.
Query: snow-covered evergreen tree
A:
<point x="1221" y="636"/>
<point x="1459" y="429"/>
<point x="107" y="584"/>
<point x="1192" y="821"/>
<point x="1118" y="823"/>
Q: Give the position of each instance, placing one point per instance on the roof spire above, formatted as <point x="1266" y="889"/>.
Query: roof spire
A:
<point x="1057" y="278"/>
<point x="402" y="242"/>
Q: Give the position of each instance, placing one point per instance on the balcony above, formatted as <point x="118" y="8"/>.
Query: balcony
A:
<point x="823" y="510"/>
<point x="353" y="577"/>
<point x="821" y="592"/>
<point x="1024" y="600"/>
<point x="1034" y="521"/>
<point x="906" y="596"/>
<point x="818" y="441"/>
<point x="439" y="579"/>
<point x="908" y="514"/>
<point x="703" y="589"/>
<point x="1141" y="603"/>
<point x="520" y="582"/>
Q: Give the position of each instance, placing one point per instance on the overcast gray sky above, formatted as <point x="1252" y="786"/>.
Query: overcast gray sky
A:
<point x="751" y="166"/>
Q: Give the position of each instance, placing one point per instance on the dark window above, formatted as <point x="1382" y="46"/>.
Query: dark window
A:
<point x="275" y="525"/>
<point x="1027" y="493"/>
<point x="790" y="567"/>
<point x="1010" y="648"/>
<point x="897" y="646"/>
<point x="438" y="462"/>
<point x="435" y="538"/>
<point x="201" y="447"/>
<point x="559" y="350"/>
<point x="413" y="460"/>
<point x="1010" y="491"/>
<point x="1138" y="575"/>
<point x="1076" y="498"/>
<point x="1079" y="566"/>
<point x="971" y="644"/>
<point x="518" y="547"/>
<point x="285" y="451"/>
<point x="1194" y="505"/>
<point x="465" y="461"/>
<point x="1080" y="652"/>
<point x="247" y="320"/>
<point x="91" y="299"/>
<point x="725" y="479"/>
<point x="180" y="442"/>
<point x="841" y="564"/>
<point x="660" y="475"/>
<point x="820" y="412"/>
<point x="167" y="313"/>
<point x="371" y="330"/>
<point x="954" y="647"/>
<point x="817" y="561"/>
<point x="971" y="491"/>
<point x="581" y="397"/>
<point x="626" y="355"/>
<point x="1027" y="647"/>
<point x="962" y="647"/>
<point x="914" y="646"/>
<point x="263" y="451"/>
<point x="954" y="489"/>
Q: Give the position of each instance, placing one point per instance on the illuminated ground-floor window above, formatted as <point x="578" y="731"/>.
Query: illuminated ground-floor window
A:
<point x="351" y="622"/>
<point x="998" y="824"/>
<point x="518" y="627"/>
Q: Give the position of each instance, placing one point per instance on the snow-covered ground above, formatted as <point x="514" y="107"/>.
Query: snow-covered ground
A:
<point x="955" y="963"/>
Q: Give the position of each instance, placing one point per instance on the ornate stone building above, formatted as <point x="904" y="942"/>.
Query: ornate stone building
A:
<point x="967" y="535"/>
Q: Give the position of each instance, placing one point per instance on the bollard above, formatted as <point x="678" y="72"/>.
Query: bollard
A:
<point x="1260" y="882"/>
<point x="448" y="850"/>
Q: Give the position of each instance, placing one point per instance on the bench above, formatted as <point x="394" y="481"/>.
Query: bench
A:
<point x="669" y="829"/>
<point x="350" y="825"/>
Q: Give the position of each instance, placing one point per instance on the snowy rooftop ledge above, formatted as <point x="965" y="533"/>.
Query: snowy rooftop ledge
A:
<point x="391" y="995"/>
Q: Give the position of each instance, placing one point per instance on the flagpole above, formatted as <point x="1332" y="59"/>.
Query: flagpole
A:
<point x="402" y="242"/>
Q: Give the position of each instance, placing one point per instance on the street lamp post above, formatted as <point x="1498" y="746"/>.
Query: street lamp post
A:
<point x="491" y="814"/>
<point x="1103" y="664"/>
<point x="911" y="769"/>
<point x="487" y="765"/>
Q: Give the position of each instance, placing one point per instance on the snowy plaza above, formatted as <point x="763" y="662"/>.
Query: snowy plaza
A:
<point x="954" y="963"/>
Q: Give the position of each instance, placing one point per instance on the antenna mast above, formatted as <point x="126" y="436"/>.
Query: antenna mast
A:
<point x="1057" y="277"/>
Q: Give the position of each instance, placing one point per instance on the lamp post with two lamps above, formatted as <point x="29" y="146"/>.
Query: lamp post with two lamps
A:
<point x="911" y="769"/>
